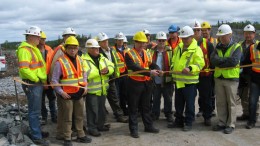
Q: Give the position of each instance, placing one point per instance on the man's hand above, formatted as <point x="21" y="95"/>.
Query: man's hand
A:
<point x="104" y="71"/>
<point x="65" y="95"/>
<point x="161" y="73"/>
<point x="186" y="70"/>
<point x="154" y="72"/>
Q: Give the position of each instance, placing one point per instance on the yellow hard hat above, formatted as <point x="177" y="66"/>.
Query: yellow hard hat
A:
<point x="140" y="36"/>
<point x="72" y="40"/>
<point x="43" y="35"/>
<point x="205" y="25"/>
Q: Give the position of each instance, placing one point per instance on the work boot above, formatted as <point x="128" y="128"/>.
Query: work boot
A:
<point x="199" y="114"/>
<point x="41" y="142"/>
<point x="104" y="128"/>
<point x="84" y="139"/>
<point x="122" y="119"/>
<point x="187" y="128"/>
<point x="228" y="130"/>
<point x="151" y="130"/>
<point x="94" y="133"/>
<point x="207" y="122"/>
<point x="218" y="128"/>
<point x="67" y="143"/>
<point x="134" y="134"/>
<point x="174" y="125"/>
<point x="169" y="118"/>
<point x="45" y="134"/>
<point x="250" y="125"/>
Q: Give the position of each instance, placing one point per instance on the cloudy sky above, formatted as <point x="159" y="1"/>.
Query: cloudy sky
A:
<point x="112" y="16"/>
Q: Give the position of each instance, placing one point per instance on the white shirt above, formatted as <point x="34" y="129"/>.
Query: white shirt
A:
<point x="107" y="52"/>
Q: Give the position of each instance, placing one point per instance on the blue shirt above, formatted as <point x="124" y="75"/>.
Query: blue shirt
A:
<point x="159" y="62"/>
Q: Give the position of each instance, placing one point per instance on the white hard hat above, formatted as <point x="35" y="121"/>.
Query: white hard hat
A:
<point x="33" y="30"/>
<point x="146" y="31"/>
<point x="161" y="35"/>
<point x="125" y="40"/>
<point x="92" y="43"/>
<point x="195" y="24"/>
<point x="224" y="29"/>
<point x="102" y="36"/>
<point x="249" y="27"/>
<point x="119" y="36"/>
<point x="69" y="30"/>
<point x="186" y="31"/>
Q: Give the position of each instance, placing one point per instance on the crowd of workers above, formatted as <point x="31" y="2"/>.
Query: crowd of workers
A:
<point x="187" y="62"/>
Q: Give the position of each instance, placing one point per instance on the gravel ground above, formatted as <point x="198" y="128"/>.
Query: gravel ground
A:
<point x="119" y="133"/>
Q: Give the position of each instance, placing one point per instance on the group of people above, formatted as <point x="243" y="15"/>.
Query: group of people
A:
<point x="134" y="80"/>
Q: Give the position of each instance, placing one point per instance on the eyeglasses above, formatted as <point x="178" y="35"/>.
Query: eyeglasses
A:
<point x="161" y="40"/>
<point x="196" y="30"/>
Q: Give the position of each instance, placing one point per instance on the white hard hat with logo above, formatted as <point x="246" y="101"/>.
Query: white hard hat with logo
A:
<point x="249" y="27"/>
<point x="102" y="36"/>
<point x="120" y="36"/>
<point x="196" y="24"/>
<point x="33" y="30"/>
<point x="92" y="43"/>
<point x="186" y="31"/>
<point x="69" y="30"/>
<point x="224" y="29"/>
<point x="125" y="40"/>
<point x="161" y="36"/>
<point x="146" y="31"/>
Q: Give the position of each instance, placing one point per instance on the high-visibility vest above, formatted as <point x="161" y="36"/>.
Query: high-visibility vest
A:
<point x="214" y="41"/>
<point x="204" y="48"/>
<point x="57" y="53"/>
<point x="48" y="58"/>
<point x="71" y="75"/>
<point x="255" y="57"/>
<point x="192" y="57"/>
<point x="31" y="63"/>
<point x="228" y="73"/>
<point x="120" y="60"/>
<point x="97" y="83"/>
<point x="173" y="44"/>
<point x="137" y="59"/>
<point x="167" y="58"/>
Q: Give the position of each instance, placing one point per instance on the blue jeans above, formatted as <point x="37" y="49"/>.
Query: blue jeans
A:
<point x="185" y="97"/>
<point x="167" y="92"/>
<point x="34" y="97"/>
<point x="52" y="105"/>
<point x="253" y="101"/>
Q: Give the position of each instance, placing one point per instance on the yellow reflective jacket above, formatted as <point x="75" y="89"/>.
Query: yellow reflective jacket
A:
<point x="192" y="57"/>
<point x="31" y="63"/>
<point x="97" y="83"/>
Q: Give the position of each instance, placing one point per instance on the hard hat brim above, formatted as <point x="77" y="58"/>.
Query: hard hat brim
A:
<point x="32" y="34"/>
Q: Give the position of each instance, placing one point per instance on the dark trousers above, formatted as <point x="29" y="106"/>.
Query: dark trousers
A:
<point x="167" y="92"/>
<point x="140" y="95"/>
<point x="114" y="100"/>
<point x="253" y="101"/>
<point x="205" y="95"/>
<point x="185" y="98"/>
<point x="96" y="113"/>
<point x="52" y="104"/>
<point x="122" y="93"/>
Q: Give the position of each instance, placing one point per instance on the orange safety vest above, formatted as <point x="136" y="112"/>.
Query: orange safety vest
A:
<point x="134" y="55"/>
<point x="204" y="48"/>
<point x="70" y="75"/>
<point x="174" y="44"/>
<point x="255" y="58"/>
<point x="48" y="58"/>
<point x="33" y="64"/>
<point x="120" y="60"/>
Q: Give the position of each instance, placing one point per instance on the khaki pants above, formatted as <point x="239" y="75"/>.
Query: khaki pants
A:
<point x="226" y="101"/>
<point x="76" y="107"/>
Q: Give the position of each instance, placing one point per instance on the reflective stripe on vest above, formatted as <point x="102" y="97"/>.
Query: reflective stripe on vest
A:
<point x="255" y="58"/>
<point x="138" y="60"/>
<point x="228" y="73"/>
<point x="33" y="64"/>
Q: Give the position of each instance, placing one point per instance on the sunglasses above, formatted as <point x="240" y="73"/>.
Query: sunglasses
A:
<point x="161" y="40"/>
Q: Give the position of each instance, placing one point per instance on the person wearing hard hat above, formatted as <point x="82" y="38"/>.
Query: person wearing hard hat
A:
<point x="244" y="78"/>
<point x="58" y="52"/>
<point x="174" y="39"/>
<point x="205" y="78"/>
<point x="125" y="43"/>
<point x="150" y="44"/>
<point x="32" y="70"/>
<point x="47" y="52"/>
<point x="112" y="97"/>
<point x="226" y="55"/>
<point x="187" y="62"/>
<point x="162" y="56"/>
<point x="99" y="69"/>
<point x="69" y="70"/>
<point x="140" y="85"/>
<point x="206" y="30"/>
<point x="121" y="82"/>
<point x="254" y="58"/>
